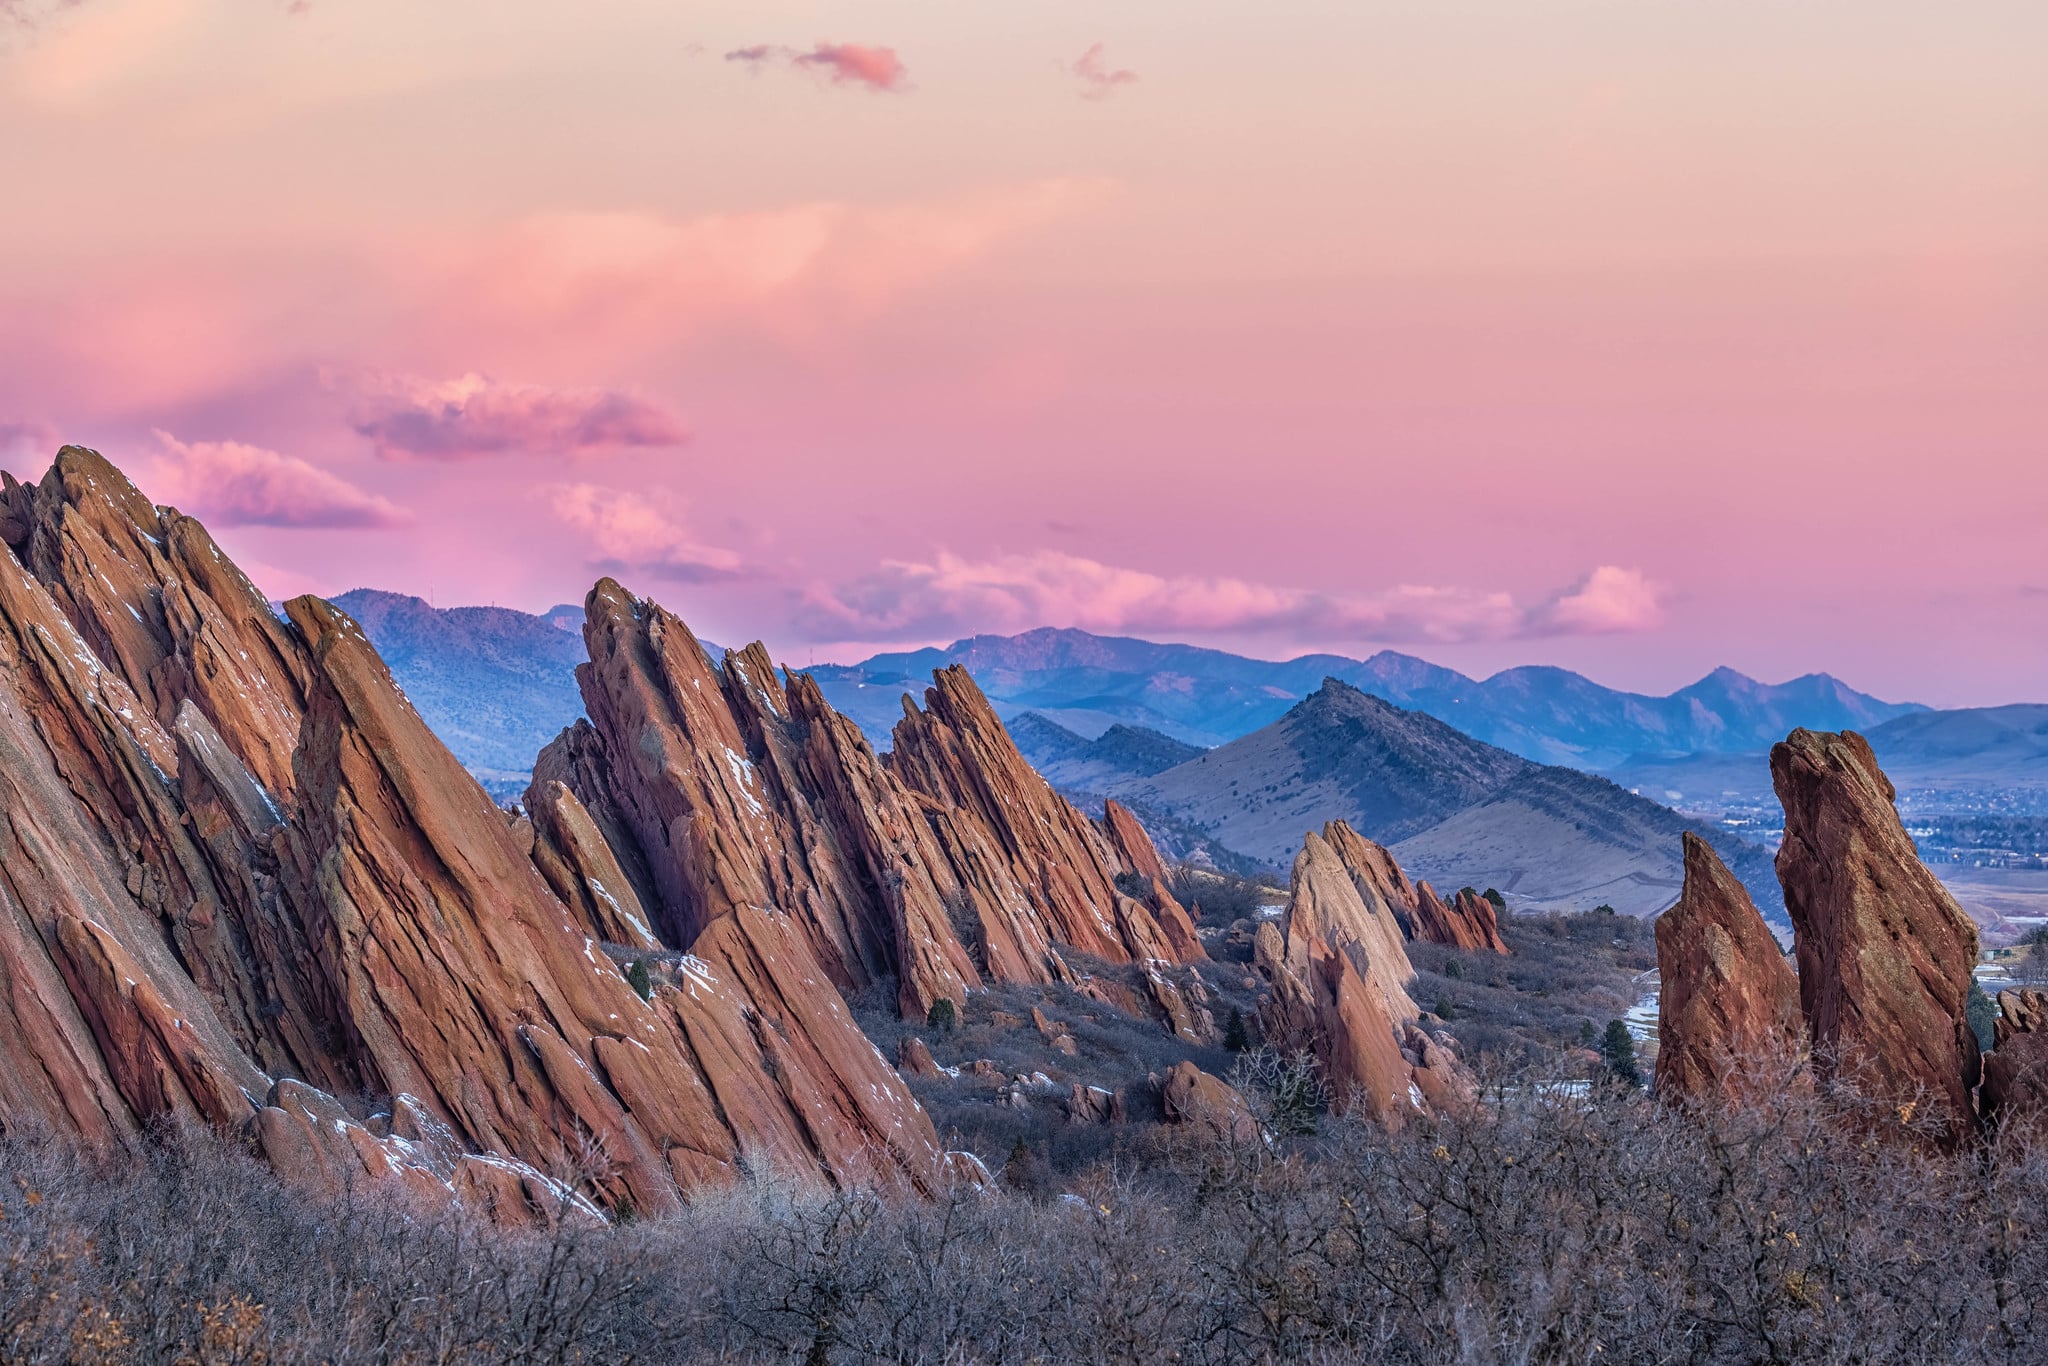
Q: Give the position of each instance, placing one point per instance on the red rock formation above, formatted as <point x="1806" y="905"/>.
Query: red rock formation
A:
<point x="238" y="875"/>
<point x="1467" y="922"/>
<point x="1133" y="846"/>
<point x="1885" y="954"/>
<point x="579" y="865"/>
<point x="1728" y="1004"/>
<point x="1338" y="971"/>
<point x="2015" y="1089"/>
<point x="957" y="753"/>
<point x="1330" y="909"/>
<point x="949" y="864"/>
<point x="1191" y="1096"/>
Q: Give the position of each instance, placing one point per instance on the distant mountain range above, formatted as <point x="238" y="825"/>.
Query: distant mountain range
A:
<point x="1086" y="683"/>
<point x="1094" y="711"/>
<point x="1929" y="756"/>
<point x="494" y="684"/>
<point x="1454" y="809"/>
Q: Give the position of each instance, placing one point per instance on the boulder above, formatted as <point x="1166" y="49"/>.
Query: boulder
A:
<point x="1192" y="1096"/>
<point x="1728" y="1003"/>
<point x="1094" y="1105"/>
<point x="914" y="1059"/>
<point x="1885" y="953"/>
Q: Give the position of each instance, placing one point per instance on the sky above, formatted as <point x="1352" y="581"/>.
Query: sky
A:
<point x="1637" y="337"/>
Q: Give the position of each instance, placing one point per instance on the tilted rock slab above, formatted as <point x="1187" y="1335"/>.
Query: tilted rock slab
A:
<point x="1728" y="1003"/>
<point x="1885" y="953"/>
<point x="1337" y="968"/>
<point x="949" y="864"/>
<point x="2015" y="1089"/>
<point x="239" y="876"/>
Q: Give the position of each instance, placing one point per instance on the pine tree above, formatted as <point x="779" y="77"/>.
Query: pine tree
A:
<point x="941" y="1015"/>
<point x="637" y="978"/>
<point x="1983" y="1016"/>
<point x="1236" y="1037"/>
<point x="1619" y="1048"/>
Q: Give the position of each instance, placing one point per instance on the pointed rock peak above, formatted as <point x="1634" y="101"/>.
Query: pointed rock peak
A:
<point x="1466" y="921"/>
<point x="82" y="474"/>
<point x="1728" y="1004"/>
<point x="1128" y="838"/>
<point x="1885" y="953"/>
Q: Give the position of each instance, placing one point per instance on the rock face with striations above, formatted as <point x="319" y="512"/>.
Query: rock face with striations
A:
<point x="1885" y="953"/>
<point x="724" y="789"/>
<point x="1467" y="921"/>
<point x="1338" y="971"/>
<point x="2015" y="1089"/>
<point x="1728" y="1001"/>
<point x="239" y="877"/>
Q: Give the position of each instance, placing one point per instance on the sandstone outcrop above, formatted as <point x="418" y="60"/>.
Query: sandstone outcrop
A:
<point x="949" y="864"/>
<point x="1134" y="848"/>
<point x="1191" y="1096"/>
<point x="1337" y="970"/>
<point x="239" y="877"/>
<point x="1728" y="1004"/>
<point x="1885" y="953"/>
<point x="2015" y="1087"/>
<point x="1467" y="921"/>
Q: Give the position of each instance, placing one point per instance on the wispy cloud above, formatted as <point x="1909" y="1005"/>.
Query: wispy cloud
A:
<point x="876" y="68"/>
<point x="228" y="483"/>
<point x="1098" y="79"/>
<point x="476" y="416"/>
<point x="628" y="531"/>
<point x="950" y="595"/>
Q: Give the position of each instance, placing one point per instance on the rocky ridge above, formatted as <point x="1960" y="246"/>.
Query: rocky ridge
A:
<point x="950" y="863"/>
<point x="239" y="878"/>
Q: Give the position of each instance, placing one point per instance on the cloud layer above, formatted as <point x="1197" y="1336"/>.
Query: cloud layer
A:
<point x="475" y="416"/>
<point x="627" y="531"/>
<point x="876" y="68"/>
<point x="950" y="596"/>
<point x="229" y="484"/>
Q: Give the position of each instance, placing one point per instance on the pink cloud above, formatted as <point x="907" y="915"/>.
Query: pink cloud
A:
<point x="228" y="484"/>
<point x="630" y="532"/>
<point x="950" y="596"/>
<point x="462" y="419"/>
<point x="877" y="68"/>
<point x="585" y="286"/>
<point x="1098" y="79"/>
<point x="1608" y="600"/>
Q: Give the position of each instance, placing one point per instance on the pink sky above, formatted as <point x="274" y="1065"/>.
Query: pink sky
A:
<point x="1637" y="337"/>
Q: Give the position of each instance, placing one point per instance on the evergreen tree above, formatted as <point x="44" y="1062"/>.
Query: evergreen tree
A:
<point x="1983" y="1017"/>
<point x="942" y="1015"/>
<point x="1500" y="903"/>
<point x="1235" y="1037"/>
<point x="637" y="978"/>
<point x="1619" y="1048"/>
